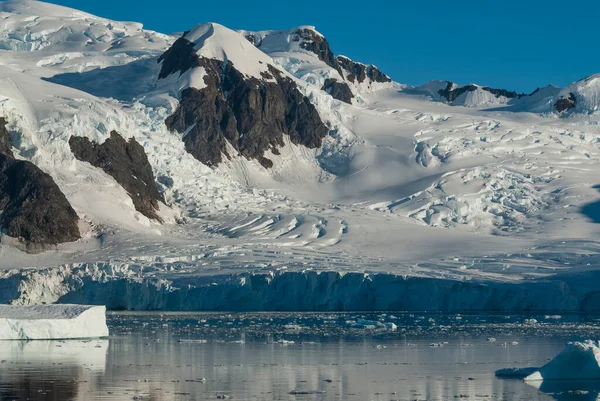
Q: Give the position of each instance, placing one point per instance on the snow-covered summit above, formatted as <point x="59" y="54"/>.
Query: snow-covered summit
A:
<point x="29" y="25"/>
<point x="477" y="96"/>
<point x="582" y="96"/>
<point x="302" y="39"/>
<point x="214" y="41"/>
<point x="471" y="95"/>
<point x="306" y="53"/>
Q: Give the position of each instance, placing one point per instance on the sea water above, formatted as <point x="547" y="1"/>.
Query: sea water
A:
<point x="296" y="356"/>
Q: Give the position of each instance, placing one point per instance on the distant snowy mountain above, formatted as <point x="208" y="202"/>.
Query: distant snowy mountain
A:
<point x="221" y="168"/>
<point x="472" y="95"/>
<point x="580" y="97"/>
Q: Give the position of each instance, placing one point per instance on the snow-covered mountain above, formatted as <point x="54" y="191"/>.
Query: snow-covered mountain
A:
<point x="306" y="53"/>
<point x="229" y="169"/>
<point x="472" y="95"/>
<point x="580" y="97"/>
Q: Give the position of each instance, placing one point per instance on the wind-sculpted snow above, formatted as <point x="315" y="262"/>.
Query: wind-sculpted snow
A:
<point x="482" y="198"/>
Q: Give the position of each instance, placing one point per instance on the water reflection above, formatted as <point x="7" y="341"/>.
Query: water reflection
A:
<point x="570" y="390"/>
<point x="50" y="370"/>
<point x="161" y="360"/>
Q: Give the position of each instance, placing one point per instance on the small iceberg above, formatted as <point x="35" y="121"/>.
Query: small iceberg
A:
<point x="578" y="361"/>
<point x="52" y="322"/>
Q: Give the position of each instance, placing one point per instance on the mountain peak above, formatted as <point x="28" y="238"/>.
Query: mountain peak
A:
<point x="214" y="41"/>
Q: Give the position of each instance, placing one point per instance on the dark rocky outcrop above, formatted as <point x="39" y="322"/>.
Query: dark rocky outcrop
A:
<point x="338" y="90"/>
<point x="127" y="163"/>
<point x="565" y="104"/>
<point x="249" y="113"/>
<point x="180" y="58"/>
<point x="317" y="44"/>
<point x="5" y="139"/>
<point x="360" y="72"/>
<point x="33" y="207"/>
<point x="452" y="94"/>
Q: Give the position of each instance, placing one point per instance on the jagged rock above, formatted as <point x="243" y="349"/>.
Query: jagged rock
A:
<point x="565" y="104"/>
<point x="249" y="113"/>
<point x="5" y="139"/>
<point x="33" y="207"/>
<point x="128" y="164"/>
<point x="451" y="94"/>
<point x="360" y="72"/>
<point x="317" y="44"/>
<point x="338" y="90"/>
<point x="312" y="41"/>
<point x="504" y="92"/>
<point x="180" y="57"/>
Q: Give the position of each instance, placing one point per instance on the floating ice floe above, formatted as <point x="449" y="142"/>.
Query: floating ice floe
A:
<point x="51" y="322"/>
<point x="578" y="361"/>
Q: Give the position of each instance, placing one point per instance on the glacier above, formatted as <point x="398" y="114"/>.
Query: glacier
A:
<point x="171" y="288"/>
<point x="489" y="202"/>
<point x="52" y="322"/>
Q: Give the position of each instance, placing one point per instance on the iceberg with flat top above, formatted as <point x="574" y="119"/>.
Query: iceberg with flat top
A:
<point x="52" y="322"/>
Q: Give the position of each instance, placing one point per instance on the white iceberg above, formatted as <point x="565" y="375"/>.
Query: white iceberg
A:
<point x="50" y="322"/>
<point x="578" y="361"/>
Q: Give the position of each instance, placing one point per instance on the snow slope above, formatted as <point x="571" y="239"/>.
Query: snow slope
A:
<point x="50" y="322"/>
<point x="406" y="197"/>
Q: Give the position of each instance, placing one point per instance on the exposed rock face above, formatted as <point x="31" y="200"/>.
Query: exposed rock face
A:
<point x="179" y="58"/>
<point x="313" y="42"/>
<point x="128" y="164"/>
<point x="360" y="72"/>
<point x="33" y="207"/>
<point x="452" y="94"/>
<point x="5" y="140"/>
<point x="566" y="104"/>
<point x="338" y="90"/>
<point x="250" y="114"/>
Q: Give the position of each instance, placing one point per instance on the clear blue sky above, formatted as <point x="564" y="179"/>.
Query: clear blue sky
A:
<point x="511" y="44"/>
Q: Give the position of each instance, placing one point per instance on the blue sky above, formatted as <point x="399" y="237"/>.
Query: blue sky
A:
<point x="516" y="45"/>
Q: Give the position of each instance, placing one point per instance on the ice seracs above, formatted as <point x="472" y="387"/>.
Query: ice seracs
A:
<point x="50" y="322"/>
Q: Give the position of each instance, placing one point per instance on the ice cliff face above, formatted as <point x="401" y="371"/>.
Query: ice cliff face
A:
<point x="139" y="288"/>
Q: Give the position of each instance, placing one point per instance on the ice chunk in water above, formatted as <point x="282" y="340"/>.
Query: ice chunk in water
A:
<point x="49" y="322"/>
